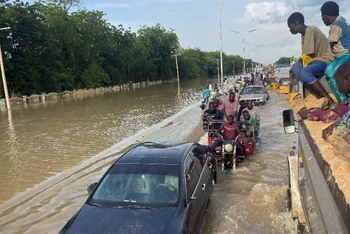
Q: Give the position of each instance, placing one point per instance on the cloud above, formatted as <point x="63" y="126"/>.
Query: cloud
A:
<point x="266" y="12"/>
<point x="276" y="12"/>
<point x="141" y="3"/>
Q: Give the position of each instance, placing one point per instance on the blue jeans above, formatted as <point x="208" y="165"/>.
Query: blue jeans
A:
<point x="308" y="74"/>
<point x="239" y="147"/>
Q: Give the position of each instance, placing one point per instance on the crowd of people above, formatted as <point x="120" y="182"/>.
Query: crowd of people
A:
<point x="323" y="55"/>
<point x="320" y="55"/>
<point x="230" y="117"/>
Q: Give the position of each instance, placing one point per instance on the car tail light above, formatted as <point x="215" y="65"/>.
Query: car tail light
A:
<point x="291" y="153"/>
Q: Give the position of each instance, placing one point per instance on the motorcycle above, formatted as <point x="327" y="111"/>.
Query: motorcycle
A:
<point x="226" y="154"/>
<point x="229" y="154"/>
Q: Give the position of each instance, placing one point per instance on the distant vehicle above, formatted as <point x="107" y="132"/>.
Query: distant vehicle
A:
<point x="282" y="65"/>
<point x="258" y="94"/>
<point x="273" y="81"/>
<point x="283" y="85"/>
<point x="156" y="187"/>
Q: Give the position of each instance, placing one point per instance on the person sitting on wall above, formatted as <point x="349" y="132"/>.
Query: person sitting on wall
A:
<point x="315" y="46"/>
<point x="339" y="40"/>
<point x="342" y="77"/>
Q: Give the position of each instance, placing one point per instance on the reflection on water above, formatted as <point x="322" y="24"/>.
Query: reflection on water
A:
<point x="43" y="139"/>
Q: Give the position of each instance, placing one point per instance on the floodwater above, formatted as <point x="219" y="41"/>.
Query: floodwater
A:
<point x="253" y="199"/>
<point x="50" y="153"/>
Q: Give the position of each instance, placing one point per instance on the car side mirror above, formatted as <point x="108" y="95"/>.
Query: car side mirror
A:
<point x="288" y="121"/>
<point x="91" y="188"/>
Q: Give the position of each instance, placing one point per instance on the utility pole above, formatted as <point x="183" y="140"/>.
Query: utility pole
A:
<point x="217" y="60"/>
<point x="7" y="98"/>
<point x="177" y="69"/>
<point x="219" y="4"/>
<point x="233" y="68"/>
<point x="243" y="37"/>
<point x="252" y="64"/>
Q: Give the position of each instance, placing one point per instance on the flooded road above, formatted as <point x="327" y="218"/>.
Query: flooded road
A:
<point x="253" y="199"/>
<point x="52" y="154"/>
<point x="45" y="139"/>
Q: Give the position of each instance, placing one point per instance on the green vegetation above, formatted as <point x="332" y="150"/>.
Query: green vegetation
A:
<point x="283" y="60"/>
<point x="57" y="45"/>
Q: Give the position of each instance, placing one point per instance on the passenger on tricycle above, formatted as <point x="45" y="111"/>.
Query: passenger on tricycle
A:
<point x="247" y="118"/>
<point x="214" y="115"/>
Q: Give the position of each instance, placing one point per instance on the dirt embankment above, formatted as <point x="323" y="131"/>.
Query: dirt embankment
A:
<point x="336" y="152"/>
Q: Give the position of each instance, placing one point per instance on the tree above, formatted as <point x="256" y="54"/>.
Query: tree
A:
<point x="94" y="76"/>
<point x="283" y="60"/>
<point x="56" y="45"/>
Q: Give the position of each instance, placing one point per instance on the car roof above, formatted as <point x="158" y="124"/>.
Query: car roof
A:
<point x="251" y="86"/>
<point x="159" y="152"/>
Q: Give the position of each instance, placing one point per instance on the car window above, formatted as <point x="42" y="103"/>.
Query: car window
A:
<point x="191" y="174"/>
<point x="199" y="155"/>
<point x="253" y="90"/>
<point x="143" y="184"/>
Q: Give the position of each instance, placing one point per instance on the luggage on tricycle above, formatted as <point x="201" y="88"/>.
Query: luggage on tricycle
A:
<point x="246" y="138"/>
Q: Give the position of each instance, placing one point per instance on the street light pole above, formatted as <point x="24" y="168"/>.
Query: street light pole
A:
<point x="244" y="70"/>
<point x="217" y="60"/>
<point x="7" y="98"/>
<point x="243" y="37"/>
<point x="219" y="6"/>
<point x="233" y="68"/>
<point x="177" y="69"/>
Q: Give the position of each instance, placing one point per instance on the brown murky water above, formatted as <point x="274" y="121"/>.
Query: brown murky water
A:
<point x="51" y="153"/>
<point x="253" y="198"/>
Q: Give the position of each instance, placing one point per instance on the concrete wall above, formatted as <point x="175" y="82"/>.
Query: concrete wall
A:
<point x="77" y="94"/>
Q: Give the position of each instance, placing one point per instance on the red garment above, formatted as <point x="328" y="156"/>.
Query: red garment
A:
<point x="324" y="116"/>
<point x="230" y="131"/>
<point x="327" y="115"/>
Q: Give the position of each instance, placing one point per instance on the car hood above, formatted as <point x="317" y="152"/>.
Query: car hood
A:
<point x="93" y="219"/>
<point x="252" y="96"/>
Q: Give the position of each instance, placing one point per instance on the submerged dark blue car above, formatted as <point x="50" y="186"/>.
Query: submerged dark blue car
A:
<point x="156" y="187"/>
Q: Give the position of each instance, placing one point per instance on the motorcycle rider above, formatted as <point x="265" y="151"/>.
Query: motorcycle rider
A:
<point x="230" y="132"/>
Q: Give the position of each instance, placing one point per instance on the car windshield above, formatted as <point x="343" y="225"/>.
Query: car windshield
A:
<point x="132" y="185"/>
<point x="284" y="81"/>
<point x="253" y="90"/>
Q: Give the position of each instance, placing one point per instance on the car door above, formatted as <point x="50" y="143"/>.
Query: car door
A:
<point x="192" y="197"/>
<point x="203" y="188"/>
<point x="204" y="169"/>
